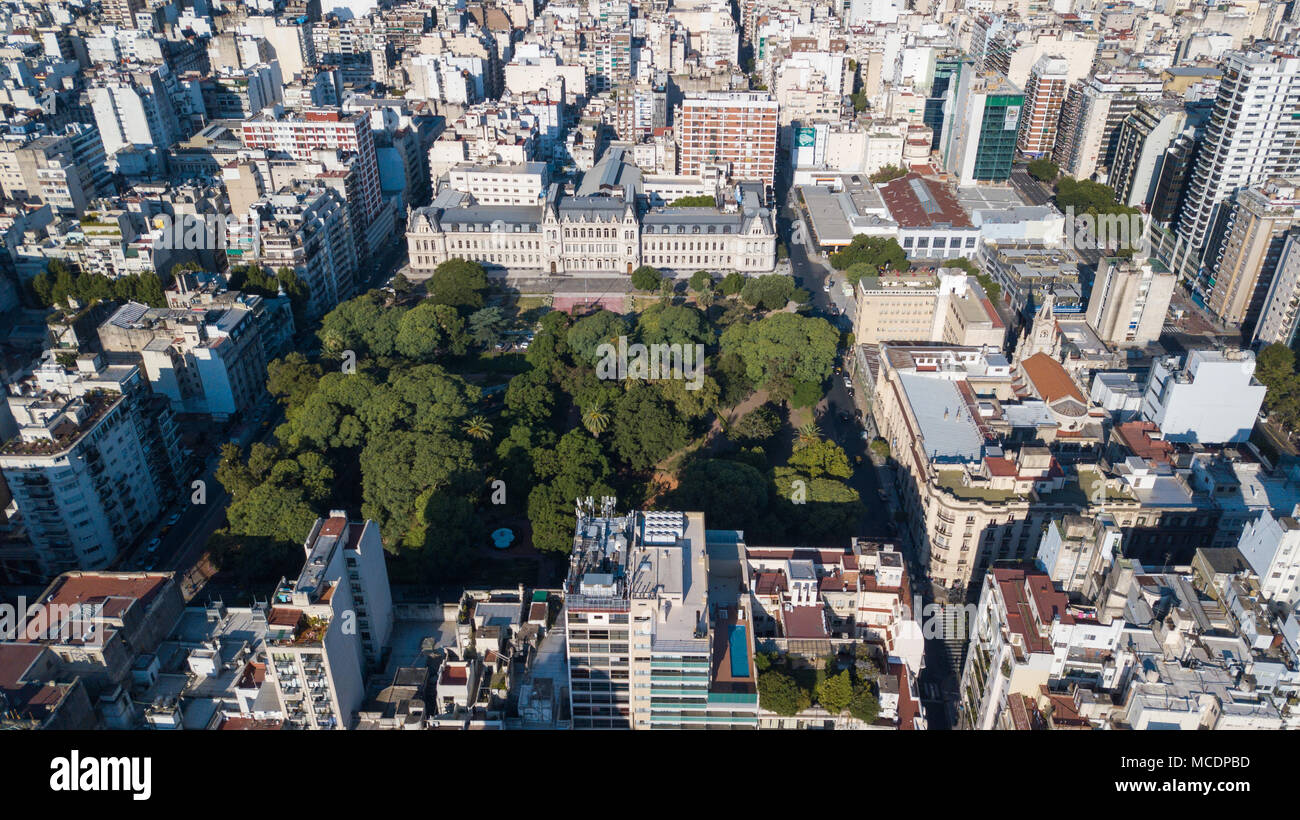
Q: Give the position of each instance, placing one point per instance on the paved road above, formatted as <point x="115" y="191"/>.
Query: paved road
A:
<point x="1030" y="189"/>
<point x="938" y="682"/>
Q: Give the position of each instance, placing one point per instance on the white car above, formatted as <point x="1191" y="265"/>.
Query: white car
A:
<point x="848" y="383"/>
<point x="830" y="283"/>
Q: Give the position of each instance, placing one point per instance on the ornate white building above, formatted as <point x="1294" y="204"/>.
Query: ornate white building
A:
<point x="589" y="234"/>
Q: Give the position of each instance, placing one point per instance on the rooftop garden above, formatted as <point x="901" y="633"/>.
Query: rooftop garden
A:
<point x="952" y="481"/>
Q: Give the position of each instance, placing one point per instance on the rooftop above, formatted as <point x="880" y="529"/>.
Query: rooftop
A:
<point x="947" y="426"/>
<point x="916" y="202"/>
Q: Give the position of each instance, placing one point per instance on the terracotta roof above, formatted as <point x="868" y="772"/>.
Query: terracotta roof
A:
<point x="15" y="660"/>
<point x="1025" y="592"/>
<point x="770" y="583"/>
<point x="1049" y="378"/>
<point x="804" y="622"/>
<point x="908" y="709"/>
<point x="333" y="526"/>
<point x="1136" y="436"/>
<point x="908" y="210"/>
<point x="999" y="466"/>
<point x="114" y="593"/>
<point x="249" y="724"/>
<point x="284" y="616"/>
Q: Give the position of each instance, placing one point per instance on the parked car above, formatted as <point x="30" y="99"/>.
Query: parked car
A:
<point x="848" y="383"/>
<point x="153" y="545"/>
<point x="829" y="284"/>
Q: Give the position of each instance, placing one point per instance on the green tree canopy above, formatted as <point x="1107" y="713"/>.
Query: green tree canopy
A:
<point x="835" y="692"/>
<point x="1043" y="169"/>
<point x="768" y="292"/>
<point x="459" y="283"/>
<point x="646" y="278"/>
<point x="875" y="251"/>
<point x="646" y="428"/>
<point x="784" y="345"/>
<point x="779" y="693"/>
<point x="590" y="332"/>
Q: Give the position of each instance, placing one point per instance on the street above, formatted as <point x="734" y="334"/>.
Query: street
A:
<point x="938" y="682"/>
<point x="1030" y="189"/>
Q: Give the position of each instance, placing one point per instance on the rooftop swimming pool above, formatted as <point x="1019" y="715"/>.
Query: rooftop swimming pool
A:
<point x="739" y="652"/>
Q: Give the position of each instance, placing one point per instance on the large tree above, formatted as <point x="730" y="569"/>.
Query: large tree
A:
<point x="398" y="467"/>
<point x="784" y="345"/>
<point x="428" y="329"/>
<point x="732" y="494"/>
<point x="645" y="428"/>
<point x="363" y="325"/>
<point x="769" y="292"/>
<point x="589" y="333"/>
<point x="459" y="283"/>
<point x="875" y="252"/>
<point x="575" y="468"/>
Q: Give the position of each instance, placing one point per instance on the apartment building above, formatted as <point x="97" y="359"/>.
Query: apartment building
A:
<point x="985" y="461"/>
<point x="1129" y="301"/>
<point x="1243" y="266"/>
<point x="984" y="115"/>
<point x="949" y="307"/>
<point x="207" y="362"/>
<point x="1025" y="636"/>
<point x="273" y="315"/>
<point x="657" y="632"/>
<point x="1044" y="97"/>
<point x="737" y="130"/>
<point x="1250" y="137"/>
<point x="1207" y="396"/>
<point x="47" y="169"/>
<point x="308" y="230"/>
<point x="329" y="626"/>
<point x="519" y="184"/>
<point x="1030" y="274"/>
<point x="1140" y="146"/>
<point x="304" y="138"/>
<point x="138" y="109"/>
<point x="1272" y="547"/>
<point x="1094" y="110"/>
<point x="1077" y="552"/>
<point x="1277" y="321"/>
<point x="37" y="696"/>
<point x="95" y="460"/>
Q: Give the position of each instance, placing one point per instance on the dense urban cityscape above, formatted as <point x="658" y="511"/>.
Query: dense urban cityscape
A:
<point x="884" y="365"/>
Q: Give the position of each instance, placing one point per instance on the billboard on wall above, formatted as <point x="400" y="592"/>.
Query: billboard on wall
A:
<point x="1013" y="118"/>
<point x="810" y="145"/>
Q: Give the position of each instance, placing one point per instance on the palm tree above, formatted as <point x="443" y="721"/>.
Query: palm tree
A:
<point x="808" y="434"/>
<point x="478" y="427"/>
<point x="596" y="420"/>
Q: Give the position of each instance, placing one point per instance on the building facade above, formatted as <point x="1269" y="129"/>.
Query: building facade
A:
<point x="598" y="233"/>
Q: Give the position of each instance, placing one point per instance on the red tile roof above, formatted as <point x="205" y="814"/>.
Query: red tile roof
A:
<point x="804" y="622"/>
<point x="1050" y="380"/>
<point x="15" y="660"/>
<point x="115" y="593"/>
<point x="908" y="708"/>
<point x="908" y="211"/>
<point x="1136" y="436"/>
